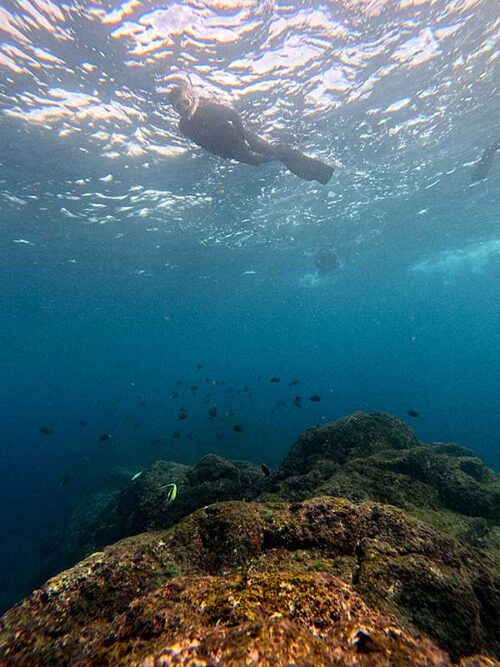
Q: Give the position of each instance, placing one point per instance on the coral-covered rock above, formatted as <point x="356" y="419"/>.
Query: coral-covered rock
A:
<point x="326" y="581"/>
<point x="112" y="513"/>
<point x="361" y="457"/>
<point x="377" y="457"/>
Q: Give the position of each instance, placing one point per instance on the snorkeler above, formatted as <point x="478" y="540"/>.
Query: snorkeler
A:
<point x="484" y="165"/>
<point x="218" y="129"/>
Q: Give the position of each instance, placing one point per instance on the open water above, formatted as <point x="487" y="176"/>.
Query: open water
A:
<point x="129" y="257"/>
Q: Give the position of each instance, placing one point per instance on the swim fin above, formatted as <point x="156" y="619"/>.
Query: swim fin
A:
<point x="305" y="167"/>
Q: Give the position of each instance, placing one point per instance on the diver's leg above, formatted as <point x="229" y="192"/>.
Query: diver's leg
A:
<point x="301" y="165"/>
<point x="261" y="146"/>
<point x="305" y="167"/>
<point x="251" y="157"/>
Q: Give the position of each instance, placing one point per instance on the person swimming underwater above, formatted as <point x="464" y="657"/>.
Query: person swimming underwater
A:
<point x="483" y="166"/>
<point x="218" y="129"/>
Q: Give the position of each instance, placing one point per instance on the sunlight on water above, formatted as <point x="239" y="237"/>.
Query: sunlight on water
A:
<point x="158" y="302"/>
<point x="393" y="93"/>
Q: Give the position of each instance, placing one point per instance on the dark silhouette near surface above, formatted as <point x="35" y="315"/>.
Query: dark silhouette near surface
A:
<point x="218" y="129"/>
<point x="326" y="261"/>
<point x="483" y="167"/>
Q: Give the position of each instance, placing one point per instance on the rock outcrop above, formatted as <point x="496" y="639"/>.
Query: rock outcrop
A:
<point x="308" y="564"/>
<point x="326" y="581"/>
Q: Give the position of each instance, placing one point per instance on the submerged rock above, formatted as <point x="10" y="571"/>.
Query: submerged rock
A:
<point x="378" y="457"/>
<point x="361" y="457"/>
<point x="300" y="566"/>
<point x="326" y="581"/>
<point x="114" y="512"/>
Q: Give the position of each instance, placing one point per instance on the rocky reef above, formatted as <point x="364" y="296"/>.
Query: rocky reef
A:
<point x="309" y="565"/>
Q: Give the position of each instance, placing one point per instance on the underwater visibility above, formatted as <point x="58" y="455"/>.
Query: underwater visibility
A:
<point x="250" y="333"/>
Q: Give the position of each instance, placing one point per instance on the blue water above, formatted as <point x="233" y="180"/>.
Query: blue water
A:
<point x="122" y="269"/>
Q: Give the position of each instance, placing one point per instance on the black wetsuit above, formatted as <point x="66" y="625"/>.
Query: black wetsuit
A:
<point x="219" y="130"/>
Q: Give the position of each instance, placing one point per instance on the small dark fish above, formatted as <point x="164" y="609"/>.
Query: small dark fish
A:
<point x="230" y="413"/>
<point x="198" y="366"/>
<point x="142" y="404"/>
<point x="412" y="413"/>
<point x="103" y="437"/>
<point x="246" y="389"/>
<point x="182" y="415"/>
<point x="220" y="436"/>
<point x="275" y="379"/>
<point x="297" y="401"/>
<point x="65" y="479"/>
<point x="83" y="424"/>
<point x="194" y="387"/>
<point x="212" y="412"/>
<point x="178" y="383"/>
<point x="293" y="383"/>
<point x="127" y="416"/>
<point x="265" y="469"/>
<point x="174" y="394"/>
<point x="176" y="434"/>
<point x="137" y="425"/>
<point x="315" y="398"/>
<point x="237" y="428"/>
<point x="46" y="430"/>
